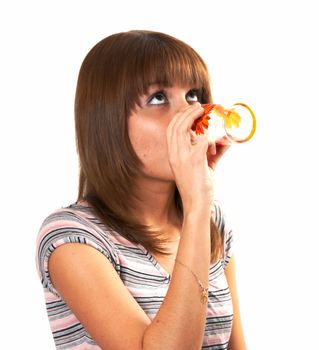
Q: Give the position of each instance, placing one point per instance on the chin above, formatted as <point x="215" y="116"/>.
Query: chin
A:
<point x="160" y="176"/>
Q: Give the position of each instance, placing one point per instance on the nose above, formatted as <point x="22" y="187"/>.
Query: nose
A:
<point x="180" y="103"/>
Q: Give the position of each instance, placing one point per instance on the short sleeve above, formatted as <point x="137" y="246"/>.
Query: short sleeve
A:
<point x="65" y="226"/>
<point x="225" y="231"/>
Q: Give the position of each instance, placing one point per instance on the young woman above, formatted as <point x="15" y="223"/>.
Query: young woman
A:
<point x="143" y="259"/>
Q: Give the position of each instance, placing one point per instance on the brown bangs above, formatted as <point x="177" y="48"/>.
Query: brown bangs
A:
<point x="158" y="58"/>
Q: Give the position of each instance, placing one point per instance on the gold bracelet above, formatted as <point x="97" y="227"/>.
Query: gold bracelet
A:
<point x="203" y="290"/>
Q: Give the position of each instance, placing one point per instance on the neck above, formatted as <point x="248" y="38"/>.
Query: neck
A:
<point x="156" y="205"/>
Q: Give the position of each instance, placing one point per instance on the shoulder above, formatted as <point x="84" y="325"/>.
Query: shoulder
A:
<point x="73" y="215"/>
<point x="76" y="223"/>
<point x="73" y="220"/>
<point x="64" y="222"/>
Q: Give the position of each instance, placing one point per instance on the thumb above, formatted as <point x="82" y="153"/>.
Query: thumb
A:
<point x="211" y="150"/>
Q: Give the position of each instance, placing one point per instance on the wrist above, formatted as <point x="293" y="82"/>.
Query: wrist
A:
<point x="198" y="205"/>
<point x="198" y="208"/>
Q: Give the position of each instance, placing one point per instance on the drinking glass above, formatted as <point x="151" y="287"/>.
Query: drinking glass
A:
<point x="236" y="124"/>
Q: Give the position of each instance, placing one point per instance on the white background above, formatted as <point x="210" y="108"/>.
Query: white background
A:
<point x="264" y="53"/>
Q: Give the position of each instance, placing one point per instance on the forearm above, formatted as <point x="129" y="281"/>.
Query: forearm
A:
<point x="180" y="321"/>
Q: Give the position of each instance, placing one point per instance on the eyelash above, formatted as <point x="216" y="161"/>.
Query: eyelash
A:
<point x="193" y="91"/>
<point x="154" y="95"/>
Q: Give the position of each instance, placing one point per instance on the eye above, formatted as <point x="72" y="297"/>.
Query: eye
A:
<point x="193" y="96"/>
<point x="158" y="98"/>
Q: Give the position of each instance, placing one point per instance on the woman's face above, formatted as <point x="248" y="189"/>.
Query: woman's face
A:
<point x="147" y="126"/>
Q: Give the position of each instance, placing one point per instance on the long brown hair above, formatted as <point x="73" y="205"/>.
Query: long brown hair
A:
<point x="114" y="74"/>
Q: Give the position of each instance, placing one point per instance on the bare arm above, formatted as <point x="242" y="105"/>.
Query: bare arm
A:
<point x="92" y="289"/>
<point x="180" y="322"/>
<point x="237" y="341"/>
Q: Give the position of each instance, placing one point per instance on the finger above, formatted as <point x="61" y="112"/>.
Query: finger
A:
<point x="189" y="115"/>
<point x="185" y="135"/>
<point x="211" y="148"/>
<point x="223" y="141"/>
<point x="213" y="159"/>
<point x="222" y="145"/>
<point x="179" y="127"/>
<point x="199" y="145"/>
<point x="188" y="121"/>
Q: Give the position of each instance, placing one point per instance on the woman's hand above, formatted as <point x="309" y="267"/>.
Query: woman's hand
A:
<point x="192" y="157"/>
<point x="216" y="150"/>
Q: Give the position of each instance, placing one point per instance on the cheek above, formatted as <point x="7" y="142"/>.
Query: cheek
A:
<point x="148" y="139"/>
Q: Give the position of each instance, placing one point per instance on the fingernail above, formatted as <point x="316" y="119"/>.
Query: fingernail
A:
<point x="213" y="151"/>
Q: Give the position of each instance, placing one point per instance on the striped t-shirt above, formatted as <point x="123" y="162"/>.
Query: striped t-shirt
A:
<point x="142" y="275"/>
